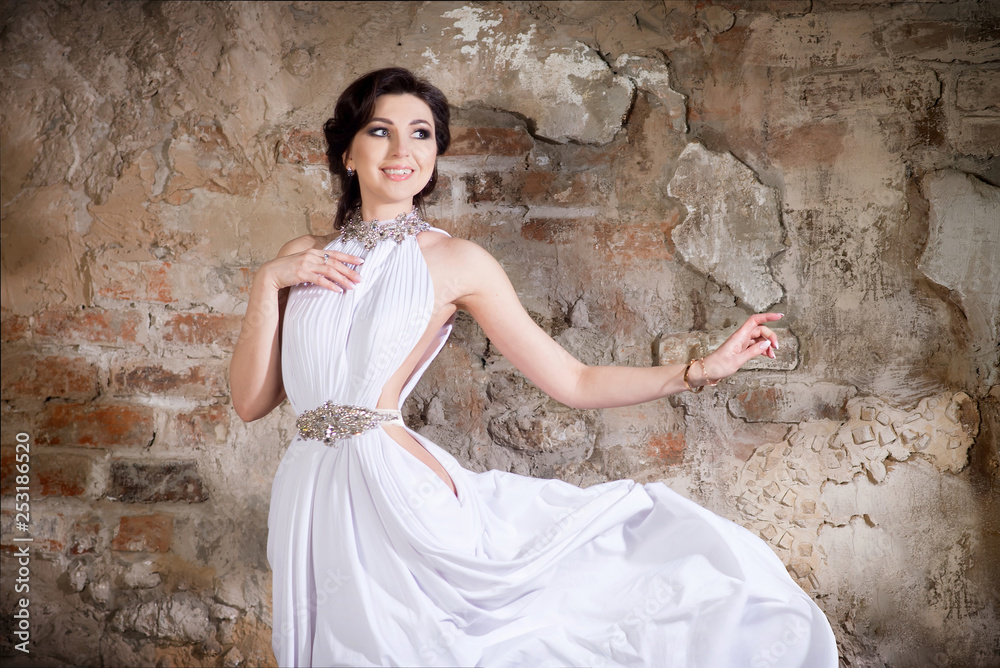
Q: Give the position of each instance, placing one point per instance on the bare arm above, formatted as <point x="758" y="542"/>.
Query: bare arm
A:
<point x="255" y="370"/>
<point x="491" y="300"/>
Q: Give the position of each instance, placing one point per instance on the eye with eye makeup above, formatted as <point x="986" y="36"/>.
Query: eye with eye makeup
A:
<point x="379" y="131"/>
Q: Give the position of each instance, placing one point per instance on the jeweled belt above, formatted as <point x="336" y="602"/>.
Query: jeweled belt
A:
<point x="331" y="421"/>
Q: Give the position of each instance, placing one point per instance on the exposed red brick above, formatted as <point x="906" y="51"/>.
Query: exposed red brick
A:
<point x="209" y="424"/>
<point x="667" y="449"/>
<point x="537" y="188"/>
<point x="47" y="531"/>
<point x="760" y="404"/>
<point x="8" y="471"/>
<point x="135" y="281"/>
<point x="303" y="147"/>
<point x="13" y="327"/>
<point x="14" y="422"/>
<point x="136" y="481"/>
<point x="534" y="188"/>
<point x="490" y="141"/>
<point x="203" y="329"/>
<point x="95" y="325"/>
<point x="144" y="533"/>
<point x="778" y="404"/>
<point x="198" y="381"/>
<point x="550" y="230"/>
<point x="42" y="377"/>
<point x="563" y="189"/>
<point x="809" y="145"/>
<point x="61" y="474"/>
<point x="484" y="187"/>
<point x="636" y="240"/>
<point x="114" y="425"/>
<point x="119" y="276"/>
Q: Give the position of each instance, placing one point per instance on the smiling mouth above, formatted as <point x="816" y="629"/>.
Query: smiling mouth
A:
<point x="398" y="172"/>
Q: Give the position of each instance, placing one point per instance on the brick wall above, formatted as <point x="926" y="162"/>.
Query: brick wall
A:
<point x="153" y="156"/>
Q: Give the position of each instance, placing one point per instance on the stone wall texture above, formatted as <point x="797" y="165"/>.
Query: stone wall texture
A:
<point x="649" y="173"/>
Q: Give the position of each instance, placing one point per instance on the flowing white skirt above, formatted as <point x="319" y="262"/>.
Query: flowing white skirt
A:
<point x="377" y="563"/>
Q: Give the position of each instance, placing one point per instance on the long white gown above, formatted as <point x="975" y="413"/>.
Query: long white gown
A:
<point x="377" y="563"/>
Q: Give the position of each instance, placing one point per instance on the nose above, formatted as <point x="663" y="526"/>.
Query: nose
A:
<point x="401" y="147"/>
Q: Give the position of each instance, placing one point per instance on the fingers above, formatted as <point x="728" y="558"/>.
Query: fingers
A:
<point x="337" y="277"/>
<point x="756" y="348"/>
<point x="755" y="329"/>
<point x="325" y="282"/>
<point x="758" y="320"/>
<point x="332" y="270"/>
<point x="342" y="257"/>
<point x="757" y="338"/>
<point x="766" y="334"/>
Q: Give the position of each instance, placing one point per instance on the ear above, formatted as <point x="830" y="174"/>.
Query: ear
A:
<point x="346" y="158"/>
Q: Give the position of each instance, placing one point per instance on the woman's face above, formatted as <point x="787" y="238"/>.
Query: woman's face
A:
<point x="393" y="155"/>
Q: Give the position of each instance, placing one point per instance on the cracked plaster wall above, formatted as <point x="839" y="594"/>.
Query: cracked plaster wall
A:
<point x="649" y="173"/>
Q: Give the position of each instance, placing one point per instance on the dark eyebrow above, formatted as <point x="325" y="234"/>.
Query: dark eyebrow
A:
<point x="418" y="121"/>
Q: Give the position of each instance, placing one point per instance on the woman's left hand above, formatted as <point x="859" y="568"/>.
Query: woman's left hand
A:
<point x="751" y="339"/>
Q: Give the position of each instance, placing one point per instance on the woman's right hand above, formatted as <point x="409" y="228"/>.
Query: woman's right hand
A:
<point x="255" y="370"/>
<point x="329" y="269"/>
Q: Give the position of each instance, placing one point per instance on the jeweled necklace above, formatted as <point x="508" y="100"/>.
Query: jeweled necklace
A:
<point x="370" y="232"/>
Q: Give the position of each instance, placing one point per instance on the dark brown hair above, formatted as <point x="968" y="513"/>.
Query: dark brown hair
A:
<point x="356" y="107"/>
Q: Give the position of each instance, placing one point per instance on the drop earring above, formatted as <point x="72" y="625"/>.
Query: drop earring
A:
<point x="350" y="172"/>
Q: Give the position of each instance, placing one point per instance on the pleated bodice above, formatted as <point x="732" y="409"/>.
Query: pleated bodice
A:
<point x="344" y="347"/>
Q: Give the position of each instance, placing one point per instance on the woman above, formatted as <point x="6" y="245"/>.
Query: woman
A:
<point x="384" y="550"/>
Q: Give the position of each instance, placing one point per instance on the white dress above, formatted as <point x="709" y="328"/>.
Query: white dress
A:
<point x="377" y="563"/>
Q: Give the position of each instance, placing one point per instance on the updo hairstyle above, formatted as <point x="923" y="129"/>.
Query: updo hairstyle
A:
<point x="355" y="109"/>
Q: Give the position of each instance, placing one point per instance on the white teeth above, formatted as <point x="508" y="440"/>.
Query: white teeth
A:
<point x="397" y="172"/>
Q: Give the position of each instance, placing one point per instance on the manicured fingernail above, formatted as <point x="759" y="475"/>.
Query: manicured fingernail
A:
<point x="775" y="345"/>
<point x="361" y="260"/>
<point x="764" y="345"/>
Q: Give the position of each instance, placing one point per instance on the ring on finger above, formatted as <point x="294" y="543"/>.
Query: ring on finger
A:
<point x="325" y="257"/>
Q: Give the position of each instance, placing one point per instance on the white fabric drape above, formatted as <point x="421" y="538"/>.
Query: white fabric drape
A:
<point x="377" y="563"/>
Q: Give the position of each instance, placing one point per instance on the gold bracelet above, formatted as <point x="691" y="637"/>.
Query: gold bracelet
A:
<point x="711" y="383"/>
<point x="692" y="390"/>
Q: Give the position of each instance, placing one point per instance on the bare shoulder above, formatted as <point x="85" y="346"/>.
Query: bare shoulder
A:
<point x="460" y="268"/>
<point x="304" y="243"/>
<point x="458" y="253"/>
